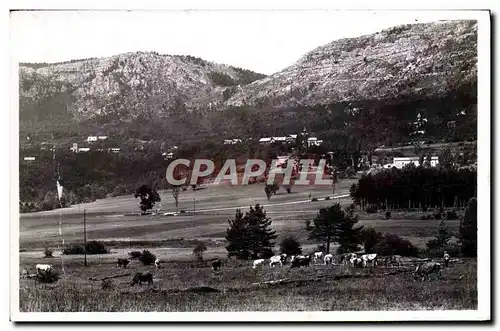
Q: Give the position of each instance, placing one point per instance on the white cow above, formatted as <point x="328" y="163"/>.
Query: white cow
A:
<point x="157" y="263"/>
<point x="275" y="260"/>
<point x="42" y="268"/>
<point x="348" y="258"/>
<point x="328" y="259"/>
<point x="258" y="263"/>
<point x="318" y="256"/>
<point x="369" y="258"/>
<point x="283" y="258"/>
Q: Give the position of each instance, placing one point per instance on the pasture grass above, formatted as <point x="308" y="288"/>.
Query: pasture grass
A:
<point x="314" y="289"/>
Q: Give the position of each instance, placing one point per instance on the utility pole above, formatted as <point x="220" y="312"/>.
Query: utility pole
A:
<point x="85" y="236"/>
<point x="194" y="205"/>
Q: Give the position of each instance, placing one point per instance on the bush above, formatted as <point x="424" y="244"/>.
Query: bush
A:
<point x="106" y="284"/>
<point x="198" y="250"/>
<point x="147" y="258"/>
<point x="388" y="215"/>
<point x="327" y="198"/>
<point x="290" y="246"/>
<point x="93" y="247"/>
<point x="437" y="215"/>
<point x="371" y="209"/>
<point x="314" y="199"/>
<point x="48" y="252"/>
<point x="119" y="190"/>
<point x="451" y="215"/>
<point x="135" y="254"/>
<point x="370" y="238"/>
<point x="47" y="277"/>
<point x="391" y="244"/>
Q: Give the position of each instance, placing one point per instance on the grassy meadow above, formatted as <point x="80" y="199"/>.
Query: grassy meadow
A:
<point x="176" y="285"/>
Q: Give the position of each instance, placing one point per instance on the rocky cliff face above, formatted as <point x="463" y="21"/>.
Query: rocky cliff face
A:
<point x="131" y="83"/>
<point x="419" y="61"/>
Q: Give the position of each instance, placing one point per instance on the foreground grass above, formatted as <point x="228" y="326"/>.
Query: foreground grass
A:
<point x="314" y="290"/>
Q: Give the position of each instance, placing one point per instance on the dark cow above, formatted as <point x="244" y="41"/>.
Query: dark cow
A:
<point x="216" y="264"/>
<point x="425" y="270"/>
<point x="123" y="263"/>
<point x="142" y="277"/>
<point x="393" y="260"/>
<point x="301" y="261"/>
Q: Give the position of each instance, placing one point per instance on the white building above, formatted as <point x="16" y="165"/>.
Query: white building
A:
<point x="91" y="139"/>
<point x="102" y="137"/>
<point x="29" y="158"/>
<point x="400" y="162"/>
<point x="114" y="150"/>
<point x="266" y="140"/>
<point x="279" y="139"/>
<point x="83" y="149"/>
<point x="232" y="141"/>
<point x="313" y="141"/>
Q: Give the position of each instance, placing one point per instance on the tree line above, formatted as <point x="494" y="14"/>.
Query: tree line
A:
<point x="250" y="235"/>
<point x="415" y="187"/>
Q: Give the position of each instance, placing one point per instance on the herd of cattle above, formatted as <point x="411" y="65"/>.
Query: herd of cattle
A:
<point x="351" y="259"/>
<point x="423" y="271"/>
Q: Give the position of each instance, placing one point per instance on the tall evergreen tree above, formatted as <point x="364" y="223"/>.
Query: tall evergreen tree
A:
<point x="332" y="225"/>
<point x="250" y="235"/>
<point x="468" y="229"/>
<point x="442" y="237"/>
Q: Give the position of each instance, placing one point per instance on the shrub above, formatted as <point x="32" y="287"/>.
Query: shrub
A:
<point x="451" y="215"/>
<point x="371" y="209"/>
<point x="327" y="198"/>
<point x="48" y="252"/>
<point x="147" y="258"/>
<point x="198" y="250"/>
<point x="135" y="254"/>
<point x="106" y="284"/>
<point x="437" y="215"/>
<point x="388" y="215"/>
<point x="119" y="190"/>
<point x="314" y="199"/>
<point x="96" y="247"/>
<point x="93" y="247"/>
<point x="391" y="244"/>
<point x="290" y="246"/>
<point x="50" y="276"/>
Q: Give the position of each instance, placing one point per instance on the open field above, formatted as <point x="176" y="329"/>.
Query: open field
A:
<point x="315" y="288"/>
<point x="172" y="239"/>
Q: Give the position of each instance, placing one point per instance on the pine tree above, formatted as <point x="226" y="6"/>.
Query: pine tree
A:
<point x="442" y="237"/>
<point x="250" y="235"/>
<point x="237" y="237"/>
<point x="468" y="229"/>
<point x="333" y="224"/>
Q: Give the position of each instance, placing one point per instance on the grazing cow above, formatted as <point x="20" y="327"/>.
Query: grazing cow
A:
<point x="283" y="258"/>
<point x="318" y="256"/>
<point x="123" y="263"/>
<point x="139" y="278"/>
<point x="216" y="264"/>
<point x="425" y="270"/>
<point x="369" y="259"/>
<point x="347" y="258"/>
<point x="275" y="260"/>
<point x="43" y="268"/>
<point x="301" y="261"/>
<point x="157" y="263"/>
<point x="393" y="260"/>
<point x="328" y="259"/>
<point x="258" y="263"/>
<point x="358" y="262"/>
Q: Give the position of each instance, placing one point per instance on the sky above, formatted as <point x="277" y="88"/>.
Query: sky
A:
<point x="263" y="41"/>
